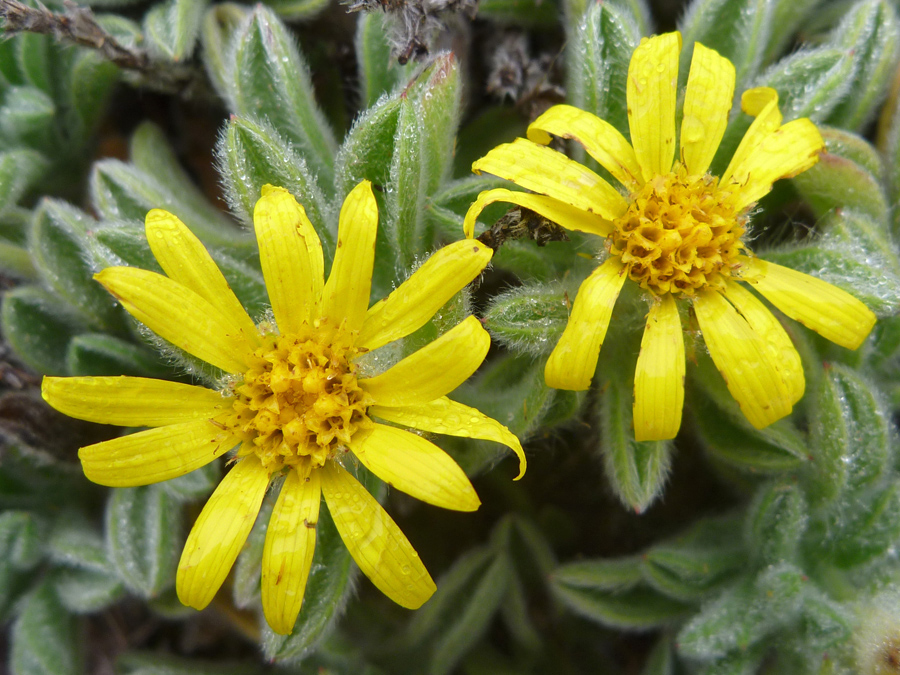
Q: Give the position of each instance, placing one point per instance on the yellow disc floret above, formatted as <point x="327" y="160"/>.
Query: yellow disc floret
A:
<point x="680" y="234"/>
<point x="299" y="400"/>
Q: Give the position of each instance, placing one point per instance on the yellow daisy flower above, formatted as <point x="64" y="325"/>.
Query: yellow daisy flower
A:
<point x="676" y="230"/>
<point x="296" y="400"/>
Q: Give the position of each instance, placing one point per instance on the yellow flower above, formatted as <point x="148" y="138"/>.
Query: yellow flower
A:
<point x="296" y="401"/>
<point x="676" y="230"/>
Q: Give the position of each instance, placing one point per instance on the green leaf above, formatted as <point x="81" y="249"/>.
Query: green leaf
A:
<point x="269" y="77"/>
<point x="661" y="660"/>
<point x="849" y="433"/>
<point x="327" y="590"/>
<point x="776" y="520"/>
<point x="97" y="354"/>
<point x="529" y="318"/>
<point x="122" y="191"/>
<point x="600" y="45"/>
<point x="637" y="470"/>
<point x="156" y="663"/>
<point x="860" y="529"/>
<point x="19" y="169"/>
<point x="143" y="537"/>
<point x="611" y="574"/>
<point x="84" y="591"/>
<point x="368" y="147"/>
<point x="247" y="574"/>
<point x="44" y="638"/>
<point x="787" y="17"/>
<point x="89" y="83"/>
<point x="739" y="31"/>
<point x="15" y="261"/>
<point x="824" y="624"/>
<point x="127" y="243"/>
<point x="848" y="175"/>
<point x="694" y="564"/>
<point x="297" y="10"/>
<point x="62" y="255"/>
<point x="535" y="14"/>
<point x="810" y="82"/>
<point x="854" y="253"/>
<point x="728" y="435"/>
<point x="38" y="327"/>
<point x="423" y="152"/>
<point x="35" y="54"/>
<point x="27" y="116"/>
<point x="171" y="28"/>
<point x="194" y="485"/>
<point x="379" y="72"/>
<point x="251" y="154"/>
<point x="22" y="537"/>
<point x="75" y="543"/>
<point x="471" y="620"/>
<point x="637" y="608"/>
<point x="870" y="34"/>
<point x="217" y="29"/>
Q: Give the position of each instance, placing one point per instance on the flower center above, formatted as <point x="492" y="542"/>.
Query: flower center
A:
<point x="299" y="400"/>
<point x="680" y="234"/>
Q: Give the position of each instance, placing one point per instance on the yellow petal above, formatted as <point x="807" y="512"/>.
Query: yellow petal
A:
<point x="600" y="138"/>
<point x="417" y="299"/>
<point x="443" y="416"/>
<point x="769" y="328"/>
<point x="784" y="153"/>
<point x="185" y="260"/>
<point x="414" y="466"/>
<point x="434" y="370"/>
<point x="291" y="258"/>
<point x="551" y="173"/>
<point x="762" y="103"/>
<point x="177" y="314"/>
<point x="552" y="209"/>
<point x="707" y="102"/>
<point x="651" y="92"/>
<point x="346" y="295"/>
<point x="155" y="455"/>
<point x="220" y="532"/>
<point x="743" y="359"/>
<point x="289" y="547"/>
<point x="131" y="401"/>
<point x="574" y="359"/>
<point x="659" y="377"/>
<point x="381" y="550"/>
<point x="832" y="313"/>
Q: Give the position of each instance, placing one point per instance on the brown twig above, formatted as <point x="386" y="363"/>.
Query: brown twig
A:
<point x="77" y="25"/>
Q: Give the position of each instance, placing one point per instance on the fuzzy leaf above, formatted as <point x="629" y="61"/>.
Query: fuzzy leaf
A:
<point x="219" y="25"/>
<point x="787" y="17"/>
<point x="848" y="175"/>
<point x="127" y="244"/>
<point x="62" y="255"/>
<point x="171" y="28"/>
<point x="379" y="72"/>
<point x="156" y="663"/>
<point x="269" y="78"/>
<point x="739" y="31"/>
<point x="142" y="537"/>
<point x="98" y="354"/>
<point x="423" y="152"/>
<point x="250" y="154"/>
<point x="776" y="520"/>
<point x="27" y="116"/>
<point x="90" y="81"/>
<point x="853" y="253"/>
<point x="527" y="319"/>
<point x="19" y="169"/>
<point x="810" y="83"/>
<point x="297" y="10"/>
<point x="637" y="470"/>
<point x="824" y="624"/>
<point x="247" y="574"/>
<point x="44" y="638"/>
<point x="849" y="433"/>
<point x="21" y="539"/>
<point x="610" y="593"/>
<point x="661" y="660"/>
<point x="194" y="485"/>
<point x="83" y="591"/>
<point x="727" y="434"/>
<point x="38" y="327"/>
<point x="368" y="147"/>
<point x="870" y="33"/>
<point x="600" y="46"/>
<point x="122" y="191"/>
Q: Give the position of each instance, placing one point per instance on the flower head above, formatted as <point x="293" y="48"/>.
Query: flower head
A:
<point x="294" y="400"/>
<point x="676" y="230"/>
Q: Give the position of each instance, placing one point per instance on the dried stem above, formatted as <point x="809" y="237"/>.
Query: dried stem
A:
<point x="77" y="25"/>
